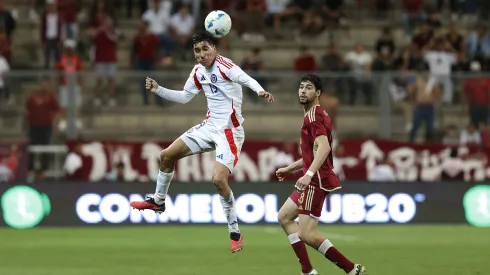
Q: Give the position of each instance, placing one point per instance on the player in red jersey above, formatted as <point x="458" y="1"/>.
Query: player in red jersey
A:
<point x="313" y="187"/>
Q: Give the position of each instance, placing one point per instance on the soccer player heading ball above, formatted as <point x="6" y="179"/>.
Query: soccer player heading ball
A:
<point x="221" y="131"/>
<point x="312" y="188"/>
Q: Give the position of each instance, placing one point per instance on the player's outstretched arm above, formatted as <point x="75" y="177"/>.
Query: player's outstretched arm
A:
<point x="171" y="95"/>
<point x="319" y="158"/>
<point x="237" y="75"/>
<point x="283" y="172"/>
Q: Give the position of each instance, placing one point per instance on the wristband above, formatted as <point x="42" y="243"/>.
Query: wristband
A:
<point x="309" y="173"/>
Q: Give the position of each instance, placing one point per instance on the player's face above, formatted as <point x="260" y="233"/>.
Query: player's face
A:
<point x="205" y="53"/>
<point x="307" y="92"/>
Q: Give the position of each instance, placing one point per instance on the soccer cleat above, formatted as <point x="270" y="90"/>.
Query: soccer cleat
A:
<point x="358" y="270"/>
<point x="312" y="272"/>
<point x="236" y="246"/>
<point x="150" y="204"/>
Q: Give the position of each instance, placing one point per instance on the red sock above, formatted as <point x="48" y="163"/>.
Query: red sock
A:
<point x="331" y="253"/>
<point x="300" y="250"/>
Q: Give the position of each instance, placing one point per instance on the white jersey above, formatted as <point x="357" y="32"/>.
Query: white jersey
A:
<point x="222" y="86"/>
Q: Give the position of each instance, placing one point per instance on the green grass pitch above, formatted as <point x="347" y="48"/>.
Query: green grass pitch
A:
<point x="186" y="250"/>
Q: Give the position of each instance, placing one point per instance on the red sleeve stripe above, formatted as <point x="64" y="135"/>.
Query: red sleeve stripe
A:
<point x="196" y="81"/>
<point x="223" y="62"/>
<point x="223" y="74"/>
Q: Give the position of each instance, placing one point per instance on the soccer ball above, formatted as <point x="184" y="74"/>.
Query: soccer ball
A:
<point x="218" y="23"/>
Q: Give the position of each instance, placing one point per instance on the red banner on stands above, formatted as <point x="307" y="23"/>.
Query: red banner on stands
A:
<point x="260" y="159"/>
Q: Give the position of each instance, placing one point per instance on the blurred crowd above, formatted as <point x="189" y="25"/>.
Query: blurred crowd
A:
<point x="84" y="35"/>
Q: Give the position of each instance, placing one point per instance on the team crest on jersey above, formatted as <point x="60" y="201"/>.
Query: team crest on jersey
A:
<point x="214" y="78"/>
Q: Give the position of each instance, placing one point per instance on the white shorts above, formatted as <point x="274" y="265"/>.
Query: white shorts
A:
<point x="227" y="143"/>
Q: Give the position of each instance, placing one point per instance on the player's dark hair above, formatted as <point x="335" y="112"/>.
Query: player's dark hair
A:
<point x="316" y="80"/>
<point x="199" y="37"/>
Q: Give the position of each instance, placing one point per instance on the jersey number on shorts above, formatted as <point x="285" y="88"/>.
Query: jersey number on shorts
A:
<point x="213" y="88"/>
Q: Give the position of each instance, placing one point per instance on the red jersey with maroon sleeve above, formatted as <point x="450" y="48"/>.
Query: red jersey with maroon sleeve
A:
<point x="317" y="123"/>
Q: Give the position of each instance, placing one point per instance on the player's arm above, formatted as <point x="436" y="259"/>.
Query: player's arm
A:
<point x="237" y="75"/>
<point x="283" y="172"/>
<point x="184" y="96"/>
<point x="321" y="154"/>
<point x="295" y="165"/>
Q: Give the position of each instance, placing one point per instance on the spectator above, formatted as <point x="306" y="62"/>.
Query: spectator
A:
<point x="276" y="11"/>
<point x="253" y="65"/>
<point x="5" y="46"/>
<point x="105" y="40"/>
<point x="412" y="15"/>
<point x="385" y="45"/>
<point x="7" y="21"/>
<point x="385" y="49"/>
<point x="51" y="34"/>
<point x="470" y="135"/>
<point x="451" y="135"/>
<point x="254" y="23"/>
<point x="423" y="36"/>
<point x="478" y="46"/>
<point x="383" y="172"/>
<point x="4" y="92"/>
<point x="331" y="104"/>
<point x="476" y="91"/>
<point x="483" y="9"/>
<point x="42" y="111"/>
<point x="457" y="41"/>
<point x="183" y="24"/>
<point x="144" y="55"/>
<point x="409" y="59"/>
<point x="305" y="61"/>
<point x="434" y="20"/>
<point x="453" y="167"/>
<point x="69" y="65"/>
<point x="359" y="62"/>
<point x="118" y="174"/>
<point x="68" y="11"/>
<point x="159" y="22"/>
<point x="441" y="57"/>
<point x="333" y="62"/>
<point x="333" y="10"/>
<point x="426" y="94"/>
<point x="9" y="164"/>
<point x="485" y="137"/>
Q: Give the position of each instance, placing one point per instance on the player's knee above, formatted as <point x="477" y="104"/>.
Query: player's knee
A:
<point x="220" y="181"/>
<point x="283" y="217"/>
<point x="166" y="156"/>
<point x="304" y="236"/>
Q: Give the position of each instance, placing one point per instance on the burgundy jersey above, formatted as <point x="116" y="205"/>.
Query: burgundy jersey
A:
<point x="317" y="123"/>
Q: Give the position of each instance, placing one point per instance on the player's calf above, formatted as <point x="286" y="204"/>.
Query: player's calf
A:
<point x="220" y="182"/>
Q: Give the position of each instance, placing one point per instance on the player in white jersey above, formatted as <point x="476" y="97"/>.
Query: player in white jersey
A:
<point x="220" y="80"/>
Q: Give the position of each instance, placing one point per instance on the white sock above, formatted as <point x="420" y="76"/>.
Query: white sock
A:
<point x="228" y="205"/>
<point x="294" y="238"/>
<point x="163" y="182"/>
<point x="326" y="244"/>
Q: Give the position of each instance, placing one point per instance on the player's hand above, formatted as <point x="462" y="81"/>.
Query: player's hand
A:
<point x="267" y="95"/>
<point x="151" y="85"/>
<point x="302" y="183"/>
<point x="282" y="173"/>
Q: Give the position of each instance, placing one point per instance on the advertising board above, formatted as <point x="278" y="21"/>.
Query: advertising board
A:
<point x="104" y="203"/>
